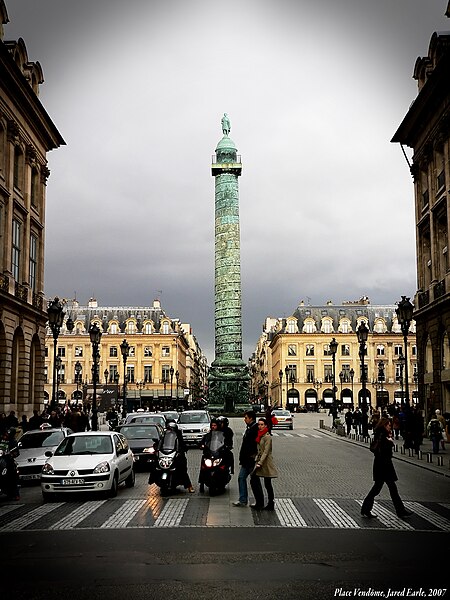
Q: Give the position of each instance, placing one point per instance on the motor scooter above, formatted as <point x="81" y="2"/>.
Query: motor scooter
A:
<point x="215" y="466"/>
<point x="167" y="470"/>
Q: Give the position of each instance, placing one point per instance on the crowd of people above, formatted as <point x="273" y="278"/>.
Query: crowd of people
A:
<point x="75" y="417"/>
<point x="407" y="422"/>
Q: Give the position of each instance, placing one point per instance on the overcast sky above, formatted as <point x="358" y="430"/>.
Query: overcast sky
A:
<point x="315" y="91"/>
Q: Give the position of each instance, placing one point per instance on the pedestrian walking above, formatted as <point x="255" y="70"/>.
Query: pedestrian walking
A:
<point x="247" y="456"/>
<point x="383" y="471"/>
<point x="443" y="423"/>
<point x="348" y="420"/>
<point x="265" y="466"/>
<point x="434" y="431"/>
<point x="357" y="420"/>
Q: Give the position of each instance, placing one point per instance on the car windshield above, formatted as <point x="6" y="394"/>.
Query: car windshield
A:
<point x="85" y="444"/>
<point x="41" y="439"/>
<point x="136" y="433"/>
<point x="282" y="413"/>
<point x="186" y="418"/>
<point x="160" y="420"/>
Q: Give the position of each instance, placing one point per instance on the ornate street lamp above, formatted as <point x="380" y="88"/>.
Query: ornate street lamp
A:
<point x="352" y="374"/>
<point x="58" y="377"/>
<point x="95" y="335"/>
<point x="55" y="314"/>
<point x="177" y="377"/>
<point x="105" y="375"/>
<point x="280" y="375"/>
<point x="341" y="377"/>
<point x="125" y="349"/>
<point x="78" y="369"/>
<point x="381" y="379"/>
<point x="401" y="364"/>
<point x="116" y="381"/>
<point x="363" y="334"/>
<point x="333" y="350"/>
<point x="171" y="371"/>
<point x="404" y="312"/>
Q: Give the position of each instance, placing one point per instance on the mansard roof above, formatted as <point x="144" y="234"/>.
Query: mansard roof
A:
<point x="121" y="314"/>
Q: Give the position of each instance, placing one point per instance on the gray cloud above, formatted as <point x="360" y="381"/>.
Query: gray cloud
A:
<point x="315" y="92"/>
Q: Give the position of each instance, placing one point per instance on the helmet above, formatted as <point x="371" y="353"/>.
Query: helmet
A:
<point x="223" y="421"/>
<point x="172" y="426"/>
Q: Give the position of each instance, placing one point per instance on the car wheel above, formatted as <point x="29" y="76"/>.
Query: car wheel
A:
<point x="130" y="480"/>
<point x="114" y="486"/>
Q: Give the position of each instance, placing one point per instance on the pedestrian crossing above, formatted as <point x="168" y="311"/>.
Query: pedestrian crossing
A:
<point x="154" y="511"/>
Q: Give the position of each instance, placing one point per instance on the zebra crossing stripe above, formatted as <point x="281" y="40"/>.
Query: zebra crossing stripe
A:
<point x="31" y="517"/>
<point x="4" y="510"/>
<point x="302" y="435"/>
<point x="316" y="436"/>
<point x="77" y="515"/>
<point x="336" y="514"/>
<point x="172" y="513"/>
<point x="288" y="514"/>
<point x="429" y="515"/>
<point x="124" y="514"/>
<point x="388" y="518"/>
<point x="288" y="435"/>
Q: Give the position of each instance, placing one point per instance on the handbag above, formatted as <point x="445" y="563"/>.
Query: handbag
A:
<point x="374" y="445"/>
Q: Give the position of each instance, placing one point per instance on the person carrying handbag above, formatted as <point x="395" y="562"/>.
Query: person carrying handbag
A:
<point x="264" y="465"/>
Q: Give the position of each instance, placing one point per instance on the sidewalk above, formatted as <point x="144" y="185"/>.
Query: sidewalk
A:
<point x="400" y="453"/>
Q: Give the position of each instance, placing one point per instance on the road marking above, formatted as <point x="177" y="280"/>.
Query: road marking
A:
<point x="302" y="435"/>
<point x="77" y="515"/>
<point x="429" y="515"/>
<point x="289" y="435"/>
<point x="316" y="436"/>
<point x="124" y="514"/>
<point x="31" y="517"/>
<point x="172" y="513"/>
<point x="4" y="510"/>
<point x="336" y="514"/>
<point x="288" y="514"/>
<point x="388" y="518"/>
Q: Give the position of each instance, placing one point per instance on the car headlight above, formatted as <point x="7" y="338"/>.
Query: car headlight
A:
<point x="217" y="462"/>
<point x="102" y="467"/>
<point x="205" y="429"/>
<point x="150" y="450"/>
<point x="47" y="469"/>
<point x="208" y="462"/>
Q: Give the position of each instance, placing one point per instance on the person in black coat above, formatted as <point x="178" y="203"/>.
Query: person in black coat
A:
<point x="383" y="470"/>
<point x="247" y="456"/>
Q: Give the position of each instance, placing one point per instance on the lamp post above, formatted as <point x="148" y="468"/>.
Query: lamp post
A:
<point x="352" y="374"/>
<point x="317" y="385"/>
<point x="116" y="381"/>
<point x="381" y="381"/>
<point x="58" y="380"/>
<point x="95" y="335"/>
<point x="286" y="373"/>
<point x="280" y="375"/>
<point x="404" y="312"/>
<point x="125" y="349"/>
<point x="140" y="386"/>
<point x="78" y="369"/>
<point x="341" y="377"/>
<point x="363" y="334"/>
<point x="401" y="364"/>
<point x="171" y="370"/>
<point x="55" y="314"/>
<point x="333" y="350"/>
<point x="105" y="375"/>
<point x="177" y="377"/>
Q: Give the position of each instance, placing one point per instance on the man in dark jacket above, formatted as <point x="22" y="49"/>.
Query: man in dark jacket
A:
<point x="247" y="456"/>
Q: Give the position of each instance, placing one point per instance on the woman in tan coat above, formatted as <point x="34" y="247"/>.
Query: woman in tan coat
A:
<point x="264" y="465"/>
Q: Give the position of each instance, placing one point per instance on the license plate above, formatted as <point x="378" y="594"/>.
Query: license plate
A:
<point x="30" y="476"/>
<point x="72" y="481"/>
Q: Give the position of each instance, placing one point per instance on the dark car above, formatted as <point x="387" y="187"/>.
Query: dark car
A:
<point x="143" y="439"/>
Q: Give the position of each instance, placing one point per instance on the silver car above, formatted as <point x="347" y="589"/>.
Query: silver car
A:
<point x="33" y="446"/>
<point x="194" y="424"/>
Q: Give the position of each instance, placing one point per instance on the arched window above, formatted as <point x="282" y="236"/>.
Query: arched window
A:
<point x="344" y="326"/>
<point x="445" y="352"/>
<point x="113" y="328"/>
<point x="327" y="326"/>
<point x="428" y="357"/>
<point x="291" y="328"/>
<point x="381" y="350"/>
<point x="165" y="328"/>
<point x="131" y="327"/>
<point x="380" y="326"/>
<point x="309" y="326"/>
<point x="148" y="328"/>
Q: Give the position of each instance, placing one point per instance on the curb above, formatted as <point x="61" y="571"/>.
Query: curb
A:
<point x="416" y="462"/>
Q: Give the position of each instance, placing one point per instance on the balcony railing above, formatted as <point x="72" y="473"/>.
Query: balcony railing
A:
<point x="21" y="292"/>
<point x="424" y="298"/>
<point x="4" y="283"/>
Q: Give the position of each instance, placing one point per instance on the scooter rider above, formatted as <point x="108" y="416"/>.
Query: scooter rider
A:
<point x="181" y="459"/>
<point x="228" y="435"/>
<point x="10" y="448"/>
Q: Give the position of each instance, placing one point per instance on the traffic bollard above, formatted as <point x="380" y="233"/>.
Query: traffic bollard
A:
<point x="429" y="457"/>
<point x="440" y="461"/>
<point x="402" y="450"/>
<point x="420" y="455"/>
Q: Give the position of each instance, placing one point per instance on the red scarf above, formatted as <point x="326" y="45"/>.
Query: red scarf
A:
<point x="261" y="432"/>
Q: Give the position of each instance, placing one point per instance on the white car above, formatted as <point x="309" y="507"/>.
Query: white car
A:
<point x="89" y="461"/>
<point x="284" y="418"/>
<point x="33" y="446"/>
<point x="194" y="424"/>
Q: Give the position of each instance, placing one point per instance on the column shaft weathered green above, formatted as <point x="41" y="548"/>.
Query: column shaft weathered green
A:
<point x="229" y="379"/>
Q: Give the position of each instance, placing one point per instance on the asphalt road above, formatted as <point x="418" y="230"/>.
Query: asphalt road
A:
<point x="320" y="549"/>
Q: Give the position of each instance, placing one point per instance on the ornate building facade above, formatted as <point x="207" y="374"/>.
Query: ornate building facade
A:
<point x="26" y="135"/>
<point x="293" y="365"/>
<point x="165" y="366"/>
<point x="426" y="129"/>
